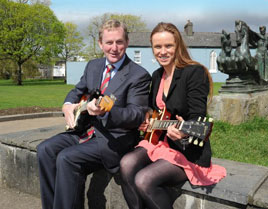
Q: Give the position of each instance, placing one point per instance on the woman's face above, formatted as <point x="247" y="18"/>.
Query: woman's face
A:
<point x="164" y="46"/>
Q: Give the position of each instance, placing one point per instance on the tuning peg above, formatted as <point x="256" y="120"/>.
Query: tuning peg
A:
<point x="204" y="120"/>
<point x="199" y="118"/>
<point x="196" y="142"/>
<point x="201" y="144"/>
<point x="191" y="139"/>
<point x="210" y="119"/>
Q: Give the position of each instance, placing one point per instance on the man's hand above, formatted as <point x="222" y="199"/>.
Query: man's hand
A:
<point x="68" y="110"/>
<point x="93" y="109"/>
<point x="174" y="133"/>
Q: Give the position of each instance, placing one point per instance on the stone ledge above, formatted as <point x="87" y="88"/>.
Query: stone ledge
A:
<point x="246" y="185"/>
<point x="30" y="116"/>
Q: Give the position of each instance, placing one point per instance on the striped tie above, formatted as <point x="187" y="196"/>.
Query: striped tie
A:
<point x="105" y="82"/>
<point x="107" y="78"/>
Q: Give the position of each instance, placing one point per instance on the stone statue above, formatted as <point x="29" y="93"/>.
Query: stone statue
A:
<point x="246" y="73"/>
<point x="225" y="60"/>
<point x="262" y="54"/>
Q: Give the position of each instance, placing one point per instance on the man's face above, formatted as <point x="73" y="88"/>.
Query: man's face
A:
<point x="113" y="44"/>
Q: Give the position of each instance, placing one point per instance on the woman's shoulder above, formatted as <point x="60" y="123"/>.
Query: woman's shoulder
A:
<point x="194" y="67"/>
<point x="158" y="72"/>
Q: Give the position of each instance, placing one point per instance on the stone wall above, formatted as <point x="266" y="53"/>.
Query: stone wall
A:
<point x="237" y="108"/>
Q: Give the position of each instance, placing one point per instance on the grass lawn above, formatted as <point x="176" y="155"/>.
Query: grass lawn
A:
<point x="43" y="93"/>
<point x="246" y="142"/>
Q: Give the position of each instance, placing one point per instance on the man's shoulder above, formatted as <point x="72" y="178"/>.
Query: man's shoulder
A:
<point x="136" y="67"/>
<point x="96" y="61"/>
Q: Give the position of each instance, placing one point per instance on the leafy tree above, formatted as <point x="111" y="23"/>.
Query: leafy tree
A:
<point x="134" y="24"/>
<point x="72" y="46"/>
<point x="28" y="32"/>
<point x="45" y="2"/>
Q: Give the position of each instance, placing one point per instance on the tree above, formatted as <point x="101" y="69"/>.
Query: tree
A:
<point x="72" y="46"/>
<point x="134" y="24"/>
<point x="45" y="2"/>
<point x="28" y="32"/>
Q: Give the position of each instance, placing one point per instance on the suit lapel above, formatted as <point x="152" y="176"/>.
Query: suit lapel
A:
<point x="96" y="75"/>
<point x="176" y="76"/>
<point x="119" y="77"/>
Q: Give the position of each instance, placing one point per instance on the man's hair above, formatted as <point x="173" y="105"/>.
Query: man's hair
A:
<point x="111" y="25"/>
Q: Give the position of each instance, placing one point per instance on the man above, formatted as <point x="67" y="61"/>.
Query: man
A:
<point x="64" y="163"/>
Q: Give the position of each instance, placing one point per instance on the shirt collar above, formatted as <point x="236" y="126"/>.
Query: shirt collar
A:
<point x="118" y="64"/>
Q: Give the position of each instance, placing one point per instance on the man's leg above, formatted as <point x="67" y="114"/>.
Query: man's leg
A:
<point x="73" y="165"/>
<point x="47" y="152"/>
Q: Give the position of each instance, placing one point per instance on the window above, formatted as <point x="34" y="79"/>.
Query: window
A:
<point x="137" y="57"/>
<point x="213" y="62"/>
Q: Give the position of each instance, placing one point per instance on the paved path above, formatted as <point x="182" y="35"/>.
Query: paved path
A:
<point x="11" y="198"/>
<point x="29" y="124"/>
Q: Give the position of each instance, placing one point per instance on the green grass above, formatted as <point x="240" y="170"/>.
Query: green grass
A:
<point x="43" y="93"/>
<point x="216" y="87"/>
<point x="246" y="142"/>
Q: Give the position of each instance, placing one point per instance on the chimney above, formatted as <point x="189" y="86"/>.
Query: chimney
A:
<point x="188" y="28"/>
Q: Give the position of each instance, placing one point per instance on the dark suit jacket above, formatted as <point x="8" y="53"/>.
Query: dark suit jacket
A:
<point x="187" y="97"/>
<point x="130" y="85"/>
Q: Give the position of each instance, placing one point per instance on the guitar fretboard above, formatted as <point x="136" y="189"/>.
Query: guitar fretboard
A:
<point x="164" y="124"/>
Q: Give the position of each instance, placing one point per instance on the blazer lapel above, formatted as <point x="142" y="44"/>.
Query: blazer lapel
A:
<point x="176" y="76"/>
<point x="96" y="75"/>
<point x="156" y="83"/>
<point x="119" y="77"/>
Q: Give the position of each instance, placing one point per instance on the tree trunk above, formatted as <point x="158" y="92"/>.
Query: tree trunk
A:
<point x="65" y="77"/>
<point x="19" y="78"/>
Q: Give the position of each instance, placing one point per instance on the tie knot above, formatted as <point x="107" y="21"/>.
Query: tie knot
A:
<point x="109" y="67"/>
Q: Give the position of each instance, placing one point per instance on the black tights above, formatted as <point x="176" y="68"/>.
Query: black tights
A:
<point x="142" y="180"/>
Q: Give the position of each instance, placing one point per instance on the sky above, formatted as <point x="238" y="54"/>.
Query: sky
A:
<point x="206" y="15"/>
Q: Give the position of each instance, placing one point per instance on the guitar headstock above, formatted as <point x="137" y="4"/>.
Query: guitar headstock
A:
<point x="106" y="102"/>
<point x="198" y="131"/>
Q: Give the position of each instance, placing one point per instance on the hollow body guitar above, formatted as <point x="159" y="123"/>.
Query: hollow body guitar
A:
<point x="197" y="131"/>
<point x="81" y="116"/>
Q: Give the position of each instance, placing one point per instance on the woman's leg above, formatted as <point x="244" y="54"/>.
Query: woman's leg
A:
<point x="149" y="182"/>
<point x="130" y="164"/>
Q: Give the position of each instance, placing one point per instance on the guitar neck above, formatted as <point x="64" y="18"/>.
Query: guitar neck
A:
<point x="164" y="124"/>
<point x="83" y="104"/>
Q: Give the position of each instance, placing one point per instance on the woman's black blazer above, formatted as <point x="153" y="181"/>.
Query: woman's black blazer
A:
<point x="187" y="97"/>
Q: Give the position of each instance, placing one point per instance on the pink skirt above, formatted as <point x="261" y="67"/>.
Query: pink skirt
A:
<point x="196" y="174"/>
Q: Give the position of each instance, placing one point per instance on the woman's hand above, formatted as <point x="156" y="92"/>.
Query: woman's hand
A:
<point x="143" y="127"/>
<point x="174" y="133"/>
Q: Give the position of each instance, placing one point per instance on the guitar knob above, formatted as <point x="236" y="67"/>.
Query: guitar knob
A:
<point x="201" y="144"/>
<point x="196" y="142"/>
<point x="204" y="119"/>
<point x="191" y="139"/>
<point x="199" y="118"/>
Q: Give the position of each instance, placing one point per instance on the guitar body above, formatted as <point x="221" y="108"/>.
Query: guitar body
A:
<point x="81" y="117"/>
<point x="153" y="135"/>
<point x="197" y="132"/>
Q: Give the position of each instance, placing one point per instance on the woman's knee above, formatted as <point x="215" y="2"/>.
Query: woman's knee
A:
<point x="143" y="181"/>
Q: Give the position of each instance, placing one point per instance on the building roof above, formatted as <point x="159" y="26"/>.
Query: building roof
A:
<point x="197" y="40"/>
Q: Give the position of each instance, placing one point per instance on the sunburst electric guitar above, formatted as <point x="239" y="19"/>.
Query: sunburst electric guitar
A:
<point x="81" y="116"/>
<point x="197" y="131"/>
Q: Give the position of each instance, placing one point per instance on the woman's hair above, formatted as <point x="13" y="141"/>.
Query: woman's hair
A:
<point x="111" y="25"/>
<point x="182" y="57"/>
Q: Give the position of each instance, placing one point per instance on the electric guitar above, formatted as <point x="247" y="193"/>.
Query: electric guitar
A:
<point x="81" y="116"/>
<point x="197" y="131"/>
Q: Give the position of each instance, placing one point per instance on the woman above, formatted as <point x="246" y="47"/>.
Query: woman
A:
<point x="180" y="85"/>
